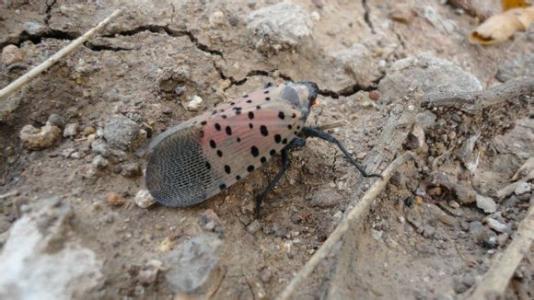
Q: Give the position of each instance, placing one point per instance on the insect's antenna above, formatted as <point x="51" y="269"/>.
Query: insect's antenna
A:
<point x="315" y="132"/>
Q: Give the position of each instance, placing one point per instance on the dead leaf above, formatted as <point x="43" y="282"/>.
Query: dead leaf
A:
<point x="509" y="4"/>
<point x="501" y="27"/>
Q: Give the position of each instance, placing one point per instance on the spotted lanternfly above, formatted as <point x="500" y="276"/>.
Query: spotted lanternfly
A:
<point x="197" y="159"/>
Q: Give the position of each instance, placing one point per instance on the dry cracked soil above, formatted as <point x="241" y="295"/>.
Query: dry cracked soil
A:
<point x="74" y="222"/>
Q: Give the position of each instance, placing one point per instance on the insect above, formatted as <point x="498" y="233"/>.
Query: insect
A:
<point x="199" y="158"/>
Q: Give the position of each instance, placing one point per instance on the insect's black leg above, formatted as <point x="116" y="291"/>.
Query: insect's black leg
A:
<point x="314" y="132"/>
<point x="294" y="144"/>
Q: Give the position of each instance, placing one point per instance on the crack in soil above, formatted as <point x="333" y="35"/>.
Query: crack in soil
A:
<point x="171" y="32"/>
<point x="344" y="92"/>
<point x="48" y="11"/>
<point x="38" y="38"/>
<point x="94" y="47"/>
<point x="367" y="17"/>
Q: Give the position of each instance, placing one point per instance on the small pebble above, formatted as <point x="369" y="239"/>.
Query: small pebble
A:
<point x="209" y="221"/>
<point x="217" y="19"/>
<point x="71" y="129"/>
<point x="88" y="130"/>
<point x="11" y="54"/>
<point x="374" y="95"/>
<point x="522" y="188"/>
<point x="39" y="138"/>
<point x="266" y="274"/>
<point x="115" y="199"/>
<point x="143" y="199"/>
<point x="56" y="120"/>
<point x="149" y="273"/>
<point x="486" y="204"/>
<point x="497" y="226"/>
<point x="254" y="226"/>
<point x="100" y="162"/>
<point x="194" y="103"/>
<point x="131" y="169"/>
<point x="100" y="147"/>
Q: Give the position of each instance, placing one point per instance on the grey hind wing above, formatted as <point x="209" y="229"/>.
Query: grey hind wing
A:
<point x="177" y="173"/>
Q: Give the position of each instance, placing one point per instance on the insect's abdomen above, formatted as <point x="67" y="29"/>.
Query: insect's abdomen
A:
<point x="177" y="174"/>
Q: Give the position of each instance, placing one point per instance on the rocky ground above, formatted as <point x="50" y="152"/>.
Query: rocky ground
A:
<point x="75" y="221"/>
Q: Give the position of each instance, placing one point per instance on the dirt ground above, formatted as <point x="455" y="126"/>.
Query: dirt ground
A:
<point x="431" y="235"/>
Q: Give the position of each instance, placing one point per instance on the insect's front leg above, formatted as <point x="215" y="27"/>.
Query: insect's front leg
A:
<point x="314" y="132"/>
<point x="296" y="143"/>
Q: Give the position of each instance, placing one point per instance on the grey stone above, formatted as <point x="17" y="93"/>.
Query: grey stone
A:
<point x="34" y="28"/>
<point x="56" y="120"/>
<point x="149" y="273"/>
<point x="131" y="169"/>
<point x="280" y="26"/>
<point x="497" y="226"/>
<point x="486" y="204"/>
<point x="122" y="133"/>
<point x="427" y="74"/>
<point x="43" y="260"/>
<point x="520" y="66"/>
<point x="254" y="227"/>
<point x="193" y="264"/>
<point x="522" y="188"/>
<point x="71" y="129"/>
<point x="354" y="65"/>
<point x="100" y="147"/>
<point x="463" y="283"/>
<point x="100" y="162"/>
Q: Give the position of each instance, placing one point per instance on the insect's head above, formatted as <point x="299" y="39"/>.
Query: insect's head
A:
<point x="301" y="94"/>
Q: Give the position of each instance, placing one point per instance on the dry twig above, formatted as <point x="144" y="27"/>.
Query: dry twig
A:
<point x="476" y="101"/>
<point x="356" y="213"/>
<point x="26" y="78"/>
<point x="496" y="280"/>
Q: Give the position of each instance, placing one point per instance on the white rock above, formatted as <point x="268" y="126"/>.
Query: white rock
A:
<point x="522" y="188"/>
<point x="486" y="204"/>
<point x="194" y="104"/>
<point x="194" y="264"/>
<point x="217" y="19"/>
<point x="11" y="54"/>
<point x="315" y="16"/>
<point x="496" y="225"/>
<point x="71" y="129"/>
<point x="143" y="199"/>
<point x="42" y="260"/>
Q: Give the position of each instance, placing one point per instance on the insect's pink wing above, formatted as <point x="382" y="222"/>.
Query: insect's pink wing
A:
<point x="241" y="137"/>
<point x="198" y="158"/>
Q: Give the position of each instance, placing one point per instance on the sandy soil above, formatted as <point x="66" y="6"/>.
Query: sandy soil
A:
<point x="422" y="239"/>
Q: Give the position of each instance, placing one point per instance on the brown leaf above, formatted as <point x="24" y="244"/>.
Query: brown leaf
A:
<point x="509" y="4"/>
<point x="501" y="27"/>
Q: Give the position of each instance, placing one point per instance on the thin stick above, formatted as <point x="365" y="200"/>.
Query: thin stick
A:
<point x="331" y="125"/>
<point x="24" y="79"/>
<point x="356" y="213"/>
<point x="476" y="101"/>
<point x="497" y="278"/>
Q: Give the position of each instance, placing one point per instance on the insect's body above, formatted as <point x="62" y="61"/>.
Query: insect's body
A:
<point x="198" y="158"/>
